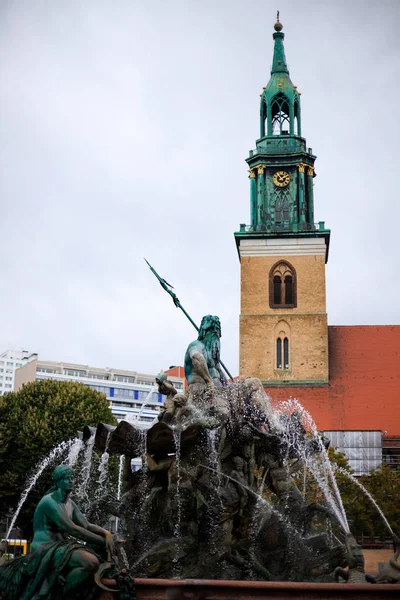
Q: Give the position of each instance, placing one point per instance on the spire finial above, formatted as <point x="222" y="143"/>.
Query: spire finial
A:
<point x="278" y="25"/>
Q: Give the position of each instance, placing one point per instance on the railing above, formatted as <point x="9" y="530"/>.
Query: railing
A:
<point x="391" y="457"/>
<point x="282" y="227"/>
<point x="280" y="145"/>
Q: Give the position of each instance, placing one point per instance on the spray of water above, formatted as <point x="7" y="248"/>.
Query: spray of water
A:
<point x="74" y="452"/>
<point x="47" y="461"/>
<point x="177" y="533"/>
<point x="119" y="488"/>
<point x="318" y="464"/>
<point x="368" y="495"/>
<point x="81" y="488"/>
<point x="134" y="419"/>
<point x="103" y="469"/>
<point x="120" y="472"/>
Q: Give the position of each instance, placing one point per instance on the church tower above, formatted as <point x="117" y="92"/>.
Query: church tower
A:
<point x="283" y="320"/>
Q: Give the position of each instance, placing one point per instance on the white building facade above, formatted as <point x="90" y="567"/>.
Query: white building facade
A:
<point x="10" y="361"/>
<point x="131" y="395"/>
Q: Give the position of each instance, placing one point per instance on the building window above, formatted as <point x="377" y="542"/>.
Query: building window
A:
<point x="277" y="289"/>
<point x="279" y="353"/>
<point x="280" y="115"/>
<point x="282" y="209"/>
<point x="75" y="373"/>
<point x="286" y="353"/>
<point x="123" y="392"/>
<point x="289" y="289"/>
<point x="282" y="362"/>
<point x="282" y="286"/>
<point x="99" y="388"/>
<point x="123" y="379"/>
<point x="363" y="448"/>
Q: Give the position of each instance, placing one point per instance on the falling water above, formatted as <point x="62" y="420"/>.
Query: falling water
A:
<point x="120" y="473"/>
<point x="212" y="446"/>
<point x="125" y="558"/>
<point x="331" y="474"/>
<point x="368" y="495"/>
<point x="177" y="533"/>
<point x="33" y="479"/>
<point x="320" y="469"/>
<point x="74" y="452"/>
<point x="216" y="505"/>
<point x="119" y="489"/>
<point x="177" y="440"/>
<point x="133" y="418"/>
<point x="81" y="489"/>
<point x="103" y="469"/>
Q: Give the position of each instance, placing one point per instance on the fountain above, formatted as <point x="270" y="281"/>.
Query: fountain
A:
<point x="215" y="498"/>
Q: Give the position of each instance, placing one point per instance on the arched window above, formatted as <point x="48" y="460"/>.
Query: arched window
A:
<point x="279" y="353"/>
<point x="280" y="115"/>
<point x="297" y="130"/>
<point x="288" y="289"/>
<point x="277" y="289"/>
<point x="281" y="208"/>
<point x="263" y="117"/>
<point x="282" y="286"/>
<point x="282" y="361"/>
<point x="286" y="353"/>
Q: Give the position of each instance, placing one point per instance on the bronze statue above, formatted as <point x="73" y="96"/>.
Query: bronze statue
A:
<point x="355" y="558"/>
<point x="390" y="572"/>
<point x="202" y="358"/>
<point x="203" y="371"/>
<point x="60" y="563"/>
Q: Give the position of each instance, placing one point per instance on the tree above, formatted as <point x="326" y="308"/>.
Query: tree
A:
<point x="32" y="422"/>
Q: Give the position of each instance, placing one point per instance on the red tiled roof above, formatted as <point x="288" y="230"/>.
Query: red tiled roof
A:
<point x="364" y="381"/>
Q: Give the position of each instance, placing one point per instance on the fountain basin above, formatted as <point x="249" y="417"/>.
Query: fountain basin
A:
<point x="213" y="589"/>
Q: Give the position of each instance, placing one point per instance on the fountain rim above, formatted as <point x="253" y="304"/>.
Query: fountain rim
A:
<point x="348" y="589"/>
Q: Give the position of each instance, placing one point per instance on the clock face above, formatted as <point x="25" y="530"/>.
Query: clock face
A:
<point x="281" y="178"/>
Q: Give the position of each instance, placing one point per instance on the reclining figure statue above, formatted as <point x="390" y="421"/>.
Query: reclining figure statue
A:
<point x="60" y="566"/>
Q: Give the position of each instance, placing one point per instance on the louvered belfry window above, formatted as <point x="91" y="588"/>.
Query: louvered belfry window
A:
<point x="282" y="286"/>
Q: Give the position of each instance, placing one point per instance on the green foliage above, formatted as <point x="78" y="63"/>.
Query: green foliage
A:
<point x="35" y="420"/>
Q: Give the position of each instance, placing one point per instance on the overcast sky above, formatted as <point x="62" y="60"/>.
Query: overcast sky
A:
<point x="124" y="125"/>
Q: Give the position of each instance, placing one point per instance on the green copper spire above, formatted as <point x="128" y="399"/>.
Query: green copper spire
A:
<point x="281" y="168"/>
<point x="279" y="63"/>
<point x="280" y="100"/>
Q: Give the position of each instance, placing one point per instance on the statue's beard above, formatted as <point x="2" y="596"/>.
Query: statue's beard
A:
<point x="212" y="345"/>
